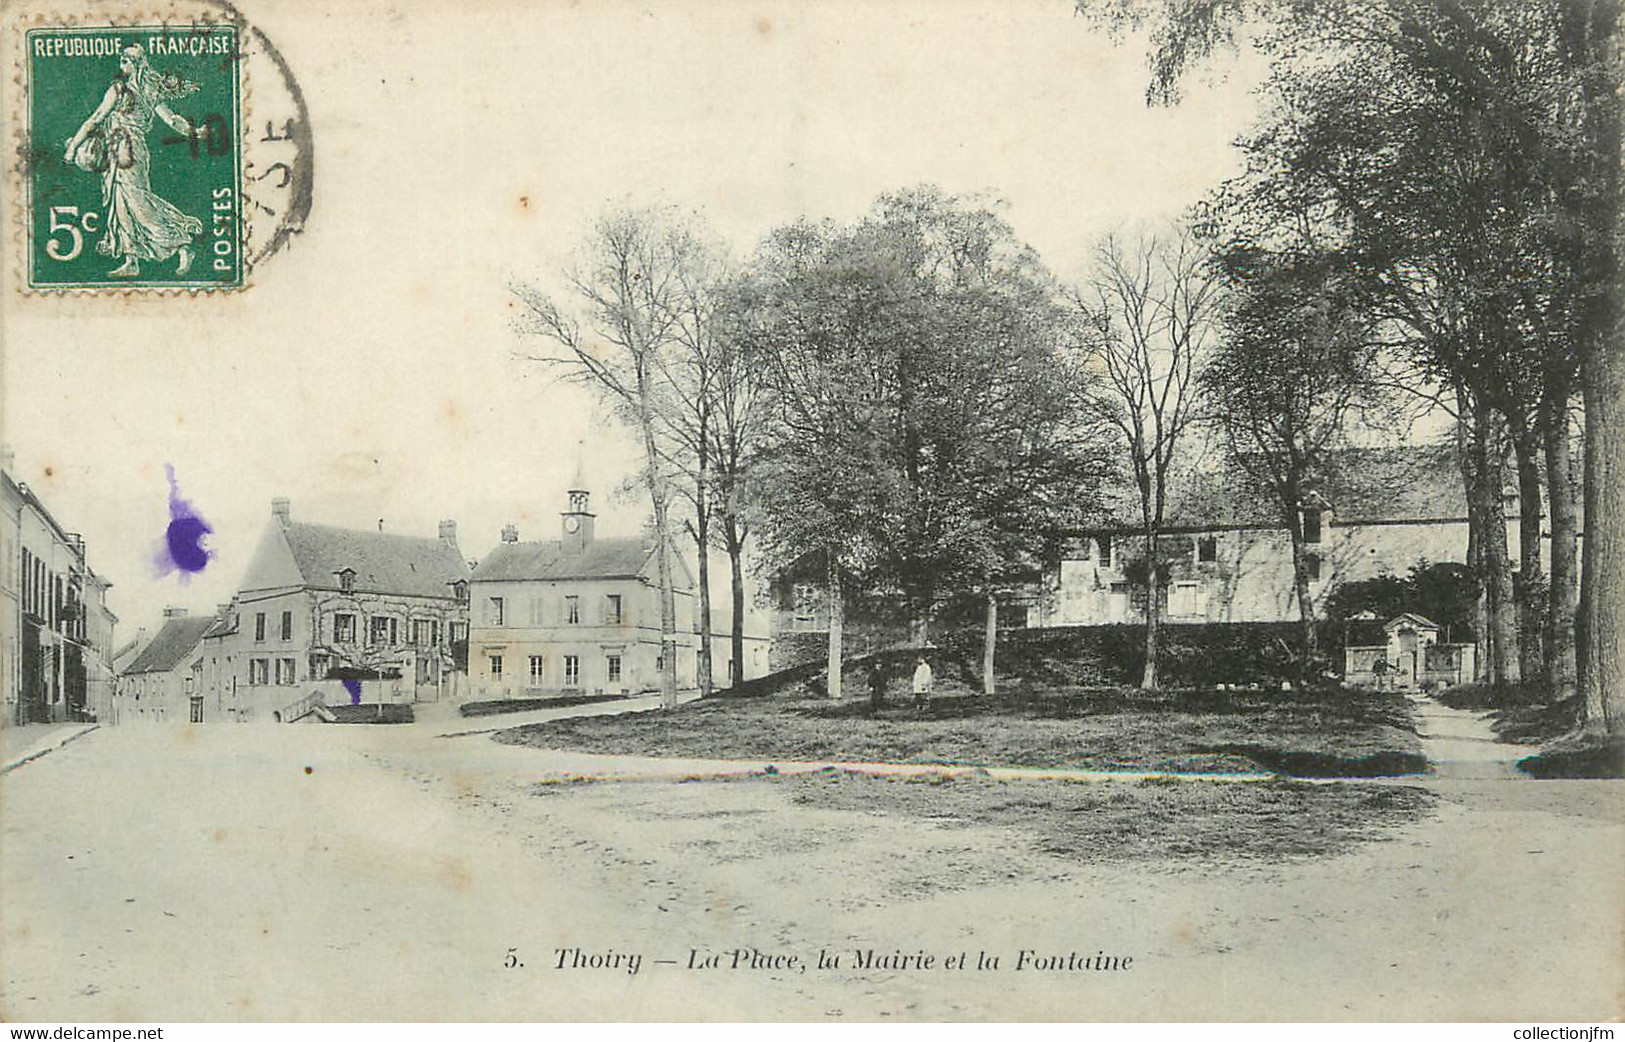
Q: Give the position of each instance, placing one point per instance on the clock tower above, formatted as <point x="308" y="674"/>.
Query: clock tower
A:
<point x="577" y="521"/>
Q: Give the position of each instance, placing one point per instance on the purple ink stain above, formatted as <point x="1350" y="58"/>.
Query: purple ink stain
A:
<point x="354" y="687"/>
<point x="182" y="549"/>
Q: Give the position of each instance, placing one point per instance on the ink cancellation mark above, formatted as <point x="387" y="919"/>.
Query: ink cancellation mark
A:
<point x="134" y="173"/>
<point x="183" y="548"/>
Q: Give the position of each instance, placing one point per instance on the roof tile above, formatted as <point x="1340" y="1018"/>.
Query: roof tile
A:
<point x="602" y="559"/>
<point x="171" y="644"/>
<point x="383" y="562"/>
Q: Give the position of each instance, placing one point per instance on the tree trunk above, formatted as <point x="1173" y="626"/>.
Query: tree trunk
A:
<point x="990" y="641"/>
<point x="736" y="587"/>
<point x="1563" y="599"/>
<point x="1292" y="504"/>
<point x="1476" y="526"/>
<point x="920" y="599"/>
<point x="837" y="619"/>
<point x="702" y="537"/>
<point x="1153" y="612"/>
<point x="1300" y="588"/>
<point x="1602" y="581"/>
<point x="1499" y="639"/>
<point x="1503" y="627"/>
<point x="668" y="598"/>
<point x="1528" y="587"/>
<point x="1602" y="578"/>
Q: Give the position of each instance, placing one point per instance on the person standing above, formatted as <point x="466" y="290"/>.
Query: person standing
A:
<point x="922" y="683"/>
<point x="877" y="684"/>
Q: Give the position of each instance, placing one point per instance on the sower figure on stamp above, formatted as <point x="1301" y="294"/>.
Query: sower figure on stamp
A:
<point x="141" y="225"/>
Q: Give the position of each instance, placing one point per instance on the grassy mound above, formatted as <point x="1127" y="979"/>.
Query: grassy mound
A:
<point x="1330" y="733"/>
<point x="1579" y="757"/>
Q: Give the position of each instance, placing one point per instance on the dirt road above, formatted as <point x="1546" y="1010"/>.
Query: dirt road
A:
<point x="382" y="873"/>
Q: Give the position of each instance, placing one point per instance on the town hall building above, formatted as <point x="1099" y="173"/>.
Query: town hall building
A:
<point x="581" y="615"/>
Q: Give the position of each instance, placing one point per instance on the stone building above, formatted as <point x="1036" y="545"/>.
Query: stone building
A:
<point x="56" y="630"/>
<point x="1226" y="554"/>
<point x="163" y="683"/>
<point x="350" y="615"/>
<point x="581" y="615"/>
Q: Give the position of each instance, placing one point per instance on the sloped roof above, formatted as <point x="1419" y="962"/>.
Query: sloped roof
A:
<point x="383" y="562"/>
<point x="128" y="651"/>
<point x="1410" y="617"/>
<point x="1359" y="485"/>
<point x="171" y="644"/>
<point x="223" y="623"/>
<point x="602" y="559"/>
<point x="1408" y="483"/>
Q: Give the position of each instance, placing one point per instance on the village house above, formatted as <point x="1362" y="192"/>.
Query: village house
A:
<point x="1227" y="554"/>
<point x="11" y="614"/>
<point x="162" y="683"/>
<point x="343" y="614"/>
<point x="56" y="630"/>
<point x="581" y="615"/>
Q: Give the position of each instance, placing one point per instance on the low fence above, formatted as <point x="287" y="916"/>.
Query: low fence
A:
<point x="1237" y="653"/>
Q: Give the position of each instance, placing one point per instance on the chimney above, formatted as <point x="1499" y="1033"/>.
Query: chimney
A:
<point x="8" y="458"/>
<point x="280" y="509"/>
<point x="510" y="533"/>
<point x="173" y="612"/>
<point x="448" y="531"/>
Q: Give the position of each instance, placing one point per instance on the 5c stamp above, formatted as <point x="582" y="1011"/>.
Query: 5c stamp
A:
<point x="134" y="171"/>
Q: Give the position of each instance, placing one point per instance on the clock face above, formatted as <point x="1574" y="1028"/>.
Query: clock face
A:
<point x="572" y="523"/>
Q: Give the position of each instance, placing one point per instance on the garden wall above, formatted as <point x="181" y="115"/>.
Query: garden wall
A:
<point x="1250" y="653"/>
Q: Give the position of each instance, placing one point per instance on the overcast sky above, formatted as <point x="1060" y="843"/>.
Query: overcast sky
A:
<point x="369" y="374"/>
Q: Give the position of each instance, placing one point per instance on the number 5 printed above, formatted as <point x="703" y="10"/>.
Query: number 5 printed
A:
<point x="57" y="249"/>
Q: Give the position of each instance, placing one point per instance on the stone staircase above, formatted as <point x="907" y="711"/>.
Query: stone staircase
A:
<point x="310" y="705"/>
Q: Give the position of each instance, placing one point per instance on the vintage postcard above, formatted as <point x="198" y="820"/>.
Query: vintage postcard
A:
<point x="741" y="510"/>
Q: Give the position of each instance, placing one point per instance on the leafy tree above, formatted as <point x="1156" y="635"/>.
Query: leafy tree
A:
<point x="1444" y="592"/>
<point x="927" y="440"/>
<point x="1295" y="367"/>
<point x="1537" y="82"/>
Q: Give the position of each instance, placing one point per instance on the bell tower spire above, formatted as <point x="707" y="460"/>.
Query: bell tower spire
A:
<point x="577" y="519"/>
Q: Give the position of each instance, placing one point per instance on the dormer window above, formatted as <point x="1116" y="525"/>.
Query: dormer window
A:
<point x="1311" y="526"/>
<point x="347" y="580"/>
<point x="459" y="590"/>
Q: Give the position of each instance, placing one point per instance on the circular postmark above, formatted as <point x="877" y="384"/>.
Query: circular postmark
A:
<point x="280" y="167"/>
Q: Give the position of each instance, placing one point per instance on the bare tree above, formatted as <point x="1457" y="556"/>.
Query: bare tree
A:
<point x="632" y="284"/>
<point x="1149" y="311"/>
<point x="689" y="415"/>
<point x="737" y="420"/>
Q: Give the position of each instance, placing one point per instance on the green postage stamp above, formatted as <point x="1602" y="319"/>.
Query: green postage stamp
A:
<point x="133" y="168"/>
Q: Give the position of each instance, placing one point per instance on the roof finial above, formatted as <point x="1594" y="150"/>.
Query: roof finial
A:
<point x="579" y="482"/>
